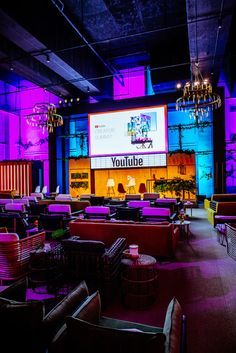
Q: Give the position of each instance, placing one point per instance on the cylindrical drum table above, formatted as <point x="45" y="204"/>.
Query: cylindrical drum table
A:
<point x="139" y="281"/>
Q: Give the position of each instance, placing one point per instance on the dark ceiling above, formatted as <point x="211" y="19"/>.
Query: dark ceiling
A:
<point x="75" y="47"/>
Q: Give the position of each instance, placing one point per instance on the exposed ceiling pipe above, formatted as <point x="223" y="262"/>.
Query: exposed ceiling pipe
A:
<point x="60" y="6"/>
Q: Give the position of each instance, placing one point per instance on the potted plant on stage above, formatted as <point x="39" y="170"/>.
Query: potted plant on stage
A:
<point x="160" y="186"/>
<point x="189" y="186"/>
<point x="175" y="185"/>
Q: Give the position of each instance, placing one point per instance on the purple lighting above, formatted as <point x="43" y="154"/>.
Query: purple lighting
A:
<point x="134" y="84"/>
<point x="21" y="140"/>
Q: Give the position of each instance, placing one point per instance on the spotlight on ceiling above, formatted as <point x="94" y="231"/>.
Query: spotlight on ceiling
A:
<point x="48" y="58"/>
<point x="220" y="23"/>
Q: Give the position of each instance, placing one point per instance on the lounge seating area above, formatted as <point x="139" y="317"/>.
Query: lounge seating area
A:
<point x="221" y="208"/>
<point x="76" y="324"/>
<point x="118" y="176"/>
<point x="91" y="252"/>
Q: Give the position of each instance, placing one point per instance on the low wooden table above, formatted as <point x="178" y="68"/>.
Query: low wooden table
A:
<point x="139" y="281"/>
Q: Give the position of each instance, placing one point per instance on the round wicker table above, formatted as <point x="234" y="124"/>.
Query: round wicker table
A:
<point x="139" y="281"/>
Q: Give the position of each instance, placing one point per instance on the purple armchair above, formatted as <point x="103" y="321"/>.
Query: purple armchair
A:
<point x="97" y="212"/>
<point x="156" y="214"/>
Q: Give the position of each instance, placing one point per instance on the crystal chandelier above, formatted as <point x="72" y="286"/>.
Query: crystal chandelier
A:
<point x="198" y="97"/>
<point x="45" y="117"/>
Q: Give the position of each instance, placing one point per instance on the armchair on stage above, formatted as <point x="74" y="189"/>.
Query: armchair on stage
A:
<point x="131" y="185"/>
<point x="121" y="190"/>
<point x="110" y="187"/>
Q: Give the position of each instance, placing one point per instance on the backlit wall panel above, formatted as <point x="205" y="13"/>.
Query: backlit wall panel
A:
<point x="16" y="176"/>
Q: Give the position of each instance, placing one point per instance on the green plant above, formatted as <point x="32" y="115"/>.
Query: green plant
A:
<point x="176" y="185"/>
<point x="186" y="151"/>
<point x="160" y="186"/>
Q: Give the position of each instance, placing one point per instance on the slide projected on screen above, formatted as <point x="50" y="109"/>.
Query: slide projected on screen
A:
<point x="130" y="131"/>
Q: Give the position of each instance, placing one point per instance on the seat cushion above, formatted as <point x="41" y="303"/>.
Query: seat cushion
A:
<point x="86" y="337"/>
<point x="14" y="314"/>
<point x="172" y="327"/>
<point x="20" y="325"/>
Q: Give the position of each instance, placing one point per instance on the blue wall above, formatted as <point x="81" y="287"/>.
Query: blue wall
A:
<point x="199" y="139"/>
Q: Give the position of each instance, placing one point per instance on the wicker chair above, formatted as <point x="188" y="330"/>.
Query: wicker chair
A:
<point x="231" y="239"/>
<point x="15" y="254"/>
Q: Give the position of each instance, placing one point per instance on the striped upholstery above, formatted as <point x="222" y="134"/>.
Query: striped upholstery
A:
<point x="15" y="254"/>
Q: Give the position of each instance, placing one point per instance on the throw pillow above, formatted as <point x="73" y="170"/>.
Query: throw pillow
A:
<point x="88" y="338"/>
<point x="90" y="310"/>
<point x="172" y="327"/>
<point x="56" y="317"/>
<point x="58" y="233"/>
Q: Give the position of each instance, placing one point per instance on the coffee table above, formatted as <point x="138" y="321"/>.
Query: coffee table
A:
<point x="188" y="204"/>
<point x="184" y="228"/>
